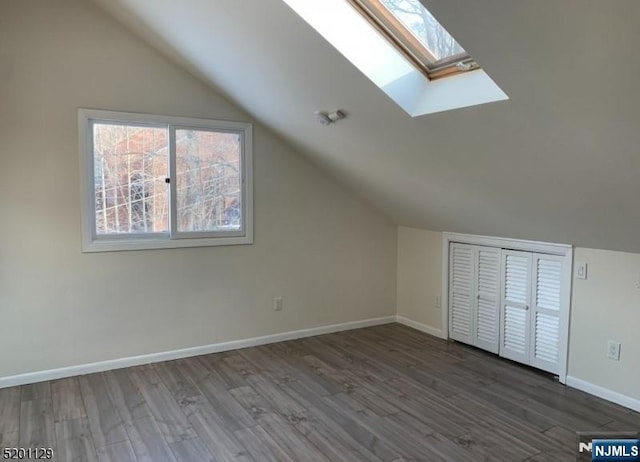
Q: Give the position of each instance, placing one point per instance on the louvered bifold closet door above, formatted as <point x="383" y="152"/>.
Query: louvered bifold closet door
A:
<point x="515" y="318"/>
<point x="487" y="326"/>
<point x="547" y="299"/>
<point x="461" y="277"/>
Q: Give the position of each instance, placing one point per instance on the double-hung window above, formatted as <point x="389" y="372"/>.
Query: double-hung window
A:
<point x="151" y="182"/>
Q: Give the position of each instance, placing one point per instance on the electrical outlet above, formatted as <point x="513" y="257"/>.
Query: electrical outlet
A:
<point x="277" y="304"/>
<point x="613" y="350"/>
<point x="581" y="270"/>
<point x="438" y="303"/>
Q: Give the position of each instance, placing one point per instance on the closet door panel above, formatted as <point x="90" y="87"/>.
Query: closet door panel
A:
<point x="515" y="297"/>
<point x="487" y="327"/>
<point x="546" y="305"/>
<point x="461" y="292"/>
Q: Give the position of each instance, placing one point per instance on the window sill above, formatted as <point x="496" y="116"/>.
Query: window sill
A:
<point x="117" y="245"/>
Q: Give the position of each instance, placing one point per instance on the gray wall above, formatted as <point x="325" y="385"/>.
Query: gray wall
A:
<point x="332" y="258"/>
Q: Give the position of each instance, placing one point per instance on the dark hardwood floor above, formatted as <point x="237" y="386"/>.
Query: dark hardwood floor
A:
<point x="386" y="393"/>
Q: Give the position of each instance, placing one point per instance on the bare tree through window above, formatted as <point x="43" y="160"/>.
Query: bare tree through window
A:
<point x="130" y="165"/>
<point x="208" y="180"/>
<point x="131" y="194"/>
<point x="425" y="27"/>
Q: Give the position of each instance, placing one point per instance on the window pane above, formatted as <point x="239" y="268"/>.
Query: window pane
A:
<point x="424" y="27"/>
<point x="130" y="167"/>
<point x="208" y="181"/>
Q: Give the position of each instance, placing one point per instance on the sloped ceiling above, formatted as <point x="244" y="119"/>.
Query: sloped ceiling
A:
<point x="557" y="162"/>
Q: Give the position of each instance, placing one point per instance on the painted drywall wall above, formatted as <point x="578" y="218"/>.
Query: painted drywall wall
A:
<point x="606" y="306"/>
<point x="420" y="276"/>
<point x="327" y="254"/>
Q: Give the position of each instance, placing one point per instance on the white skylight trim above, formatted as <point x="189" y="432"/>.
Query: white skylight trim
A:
<point x="351" y="34"/>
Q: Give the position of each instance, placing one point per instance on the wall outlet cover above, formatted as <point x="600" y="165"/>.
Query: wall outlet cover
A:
<point x="613" y="350"/>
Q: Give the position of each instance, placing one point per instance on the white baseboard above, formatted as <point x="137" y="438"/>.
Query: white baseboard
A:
<point x="604" y="393"/>
<point x="53" y="374"/>
<point x="419" y="326"/>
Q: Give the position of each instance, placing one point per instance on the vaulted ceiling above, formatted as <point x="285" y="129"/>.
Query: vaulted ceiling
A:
<point x="557" y="162"/>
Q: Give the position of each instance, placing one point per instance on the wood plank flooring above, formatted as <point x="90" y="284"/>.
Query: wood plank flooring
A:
<point x="386" y="393"/>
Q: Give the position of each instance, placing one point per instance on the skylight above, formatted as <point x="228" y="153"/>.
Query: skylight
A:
<point x="411" y="83"/>
<point x="413" y="30"/>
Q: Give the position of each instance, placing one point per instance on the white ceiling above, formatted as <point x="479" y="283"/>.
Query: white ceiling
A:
<point x="557" y="162"/>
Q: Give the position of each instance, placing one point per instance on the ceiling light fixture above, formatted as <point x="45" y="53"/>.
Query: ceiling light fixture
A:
<point x="328" y="118"/>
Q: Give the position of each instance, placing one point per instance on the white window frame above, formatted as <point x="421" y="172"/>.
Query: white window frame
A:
<point x="562" y="250"/>
<point x="92" y="242"/>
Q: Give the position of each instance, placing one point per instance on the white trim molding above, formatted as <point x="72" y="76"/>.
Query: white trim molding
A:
<point x="604" y="393"/>
<point x="508" y="243"/>
<point x="71" y="371"/>
<point x="563" y="250"/>
<point x="420" y="326"/>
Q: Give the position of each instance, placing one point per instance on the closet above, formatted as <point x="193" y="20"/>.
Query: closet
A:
<point x="510" y="302"/>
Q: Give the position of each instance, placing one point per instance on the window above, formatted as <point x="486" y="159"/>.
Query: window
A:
<point x="152" y="182"/>
<point x="409" y="26"/>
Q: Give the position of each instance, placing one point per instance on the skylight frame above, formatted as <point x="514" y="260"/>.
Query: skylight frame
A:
<point x="403" y="39"/>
